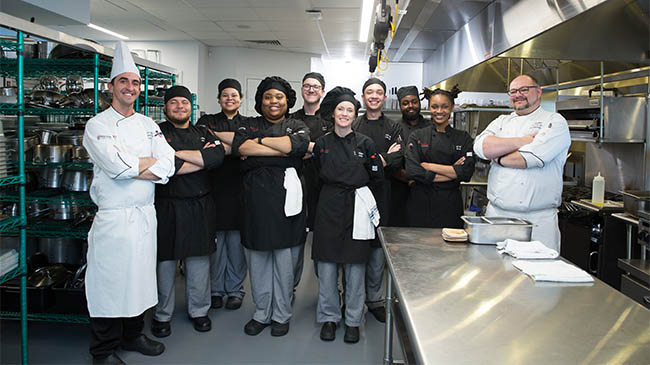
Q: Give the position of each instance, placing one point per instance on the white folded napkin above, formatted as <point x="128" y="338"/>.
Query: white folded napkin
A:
<point x="556" y="270"/>
<point x="293" y="199"/>
<point x="526" y="250"/>
<point x="366" y="214"/>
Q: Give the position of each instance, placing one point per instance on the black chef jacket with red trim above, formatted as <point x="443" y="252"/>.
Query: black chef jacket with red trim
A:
<point x="184" y="208"/>
<point x="265" y="225"/>
<point x="437" y="204"/>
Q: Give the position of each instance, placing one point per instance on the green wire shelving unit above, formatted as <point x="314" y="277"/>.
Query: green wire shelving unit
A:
<point x="21" y="69"/>
<point x="19" y="222"/>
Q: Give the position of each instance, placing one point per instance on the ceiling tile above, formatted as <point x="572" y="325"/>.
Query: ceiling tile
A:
<point x="157" y="4"/>
<point x="211" y="35"/>
<point x="218" y="3"/>
<point x="282" y="14"/>
<point x="321" y="4"/>
<point x="244" y="26"/>
<point x="198" y="26"/>
<point x="229" y="14"/>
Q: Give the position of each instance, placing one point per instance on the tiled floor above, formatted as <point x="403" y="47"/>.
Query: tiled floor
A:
<point x="226" y="343"/>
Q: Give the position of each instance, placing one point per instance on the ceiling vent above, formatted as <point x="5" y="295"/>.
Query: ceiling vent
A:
<point x="268" y="42"/>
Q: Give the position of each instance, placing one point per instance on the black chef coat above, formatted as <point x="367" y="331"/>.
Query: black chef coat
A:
<point x="400" y="190"/>
<point x="384" y="132"/>
<point x="227" y="178"/>
<point x="309" y="176"/>
<point x="344" y="164"/>
<point x="265" y="225"/>
<point x="437" y="205"/>
<point x="184" y="208"/>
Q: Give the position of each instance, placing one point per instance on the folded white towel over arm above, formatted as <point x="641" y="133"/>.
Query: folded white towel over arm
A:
<point x="556" y="271"/>
<point x="526" y="250"/>
<point x="366" y="215"/>
<point x="293" y="199"/>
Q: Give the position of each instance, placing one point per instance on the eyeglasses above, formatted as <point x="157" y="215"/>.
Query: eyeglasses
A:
<point x="306" y="87"/>
<point x="523" y="90"/>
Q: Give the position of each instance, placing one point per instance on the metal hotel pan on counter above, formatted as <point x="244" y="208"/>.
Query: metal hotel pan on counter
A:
<point x="490" y="230"/>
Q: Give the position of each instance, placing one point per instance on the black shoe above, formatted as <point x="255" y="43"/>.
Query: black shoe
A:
<point x="111" y="359"/>
<point x="217" y="302"/>
<point x="379" y="313"/>
<point x="279" y="329"/>
<point x="253" y="327"/>
<point x="351" y="334"/>
<point x="161" y="329"/>
<point x="202" y="324"/>
<point x="144" y="345"/>
<point x="328" y="331"/>
<point x="233" y="303"/>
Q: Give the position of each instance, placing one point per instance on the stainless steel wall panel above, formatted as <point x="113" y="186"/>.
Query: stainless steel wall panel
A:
<point x="620" y="163"/>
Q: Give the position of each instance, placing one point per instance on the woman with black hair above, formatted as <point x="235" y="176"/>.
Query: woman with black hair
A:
<point x="347" y="161"/>
<point x="438" y="158"/>
<point x="272" y="146"/>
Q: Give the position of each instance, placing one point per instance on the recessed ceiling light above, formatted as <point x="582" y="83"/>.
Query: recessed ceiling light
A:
<point x="110" y="32"/>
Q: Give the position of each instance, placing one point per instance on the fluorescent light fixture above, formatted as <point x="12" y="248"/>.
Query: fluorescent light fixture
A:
<point x="366" y="15"/>
<point x="110" y="32"/>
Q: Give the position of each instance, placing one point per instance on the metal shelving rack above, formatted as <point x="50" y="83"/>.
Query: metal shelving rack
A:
<point x="20" y="221"/>
<point x="88" y="68"/>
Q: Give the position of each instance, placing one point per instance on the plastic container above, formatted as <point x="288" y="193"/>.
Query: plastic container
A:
<point x="598" y="190"/>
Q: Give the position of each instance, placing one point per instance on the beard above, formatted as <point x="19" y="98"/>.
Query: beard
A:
<point x="176" y="121"/>
<point x="411" y="116"/>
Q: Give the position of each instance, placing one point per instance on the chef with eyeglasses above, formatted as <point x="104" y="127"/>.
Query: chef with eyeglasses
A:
<point x="528" y="149"/>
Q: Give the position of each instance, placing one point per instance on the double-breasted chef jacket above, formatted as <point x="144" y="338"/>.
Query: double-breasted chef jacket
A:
<point x="344" y="164"/>
<point x="227" y="178"/>
<point x="185" y="209"/>
<point x="437" y="204"/>
<point x="121" y="273"/>
<point x="266" y="227"/>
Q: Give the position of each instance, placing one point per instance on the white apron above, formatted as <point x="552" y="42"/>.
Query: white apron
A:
<point x="545" y="224"/>
<point x="121" y="272"/>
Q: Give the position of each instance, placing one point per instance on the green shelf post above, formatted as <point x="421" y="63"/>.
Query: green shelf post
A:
<point x="22" y="262"/>
<point x="193" y="118"/>
<point x="146" y="91"/>
<point x="173" y="80"/>
<point x="96" y="83"/>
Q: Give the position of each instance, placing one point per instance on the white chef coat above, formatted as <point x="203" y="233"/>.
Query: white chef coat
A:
<point x="121" y="273"/>
<point x="535" y="191"/>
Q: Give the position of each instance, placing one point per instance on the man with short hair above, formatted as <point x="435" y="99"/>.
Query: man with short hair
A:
<point x="228" y="263"/>
<point x="186" y="213"/>
<point x="313" y="90"/>
<point x="386" y="134"/>
<point x="412" y="119"/>
<point x="129" y="155"/>
<point x="528" y="149"/>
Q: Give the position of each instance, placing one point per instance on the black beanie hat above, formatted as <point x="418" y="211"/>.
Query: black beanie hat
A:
<point x="232" y="83"/>
<point x="316" y="76"/>
<point x="371" y="81"/>
<point x="278" y="83"/>
<point x="407" y="90"/>
<point x="334" y="97"/>
<point x="178" y="90"/>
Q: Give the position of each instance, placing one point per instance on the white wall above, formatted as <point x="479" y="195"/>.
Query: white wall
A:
<point x="249" y="66"/>
<point x="353" y="74"/>
<point x="184" y="56"/>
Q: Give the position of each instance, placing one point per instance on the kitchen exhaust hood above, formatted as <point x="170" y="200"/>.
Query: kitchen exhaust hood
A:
<point x="553" y="40"/>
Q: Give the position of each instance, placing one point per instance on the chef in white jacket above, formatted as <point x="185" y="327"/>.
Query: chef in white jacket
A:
<point x="129" y="154"/>
<point x="528" y="149"/>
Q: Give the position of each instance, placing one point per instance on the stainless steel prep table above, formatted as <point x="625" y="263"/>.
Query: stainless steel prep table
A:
<point x="466" y="304"/>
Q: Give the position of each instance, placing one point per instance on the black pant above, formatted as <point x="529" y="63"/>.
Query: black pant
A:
<point x="108" y="333"/>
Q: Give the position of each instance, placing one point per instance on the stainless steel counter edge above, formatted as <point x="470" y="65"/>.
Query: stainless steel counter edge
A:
<point x="466" y="304"/>
<point x="627" y="218"/>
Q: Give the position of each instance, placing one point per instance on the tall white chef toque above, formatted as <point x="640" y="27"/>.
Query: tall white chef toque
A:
<point x="123" y="61"/>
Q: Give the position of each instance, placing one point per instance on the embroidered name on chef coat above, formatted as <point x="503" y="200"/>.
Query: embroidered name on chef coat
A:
<point x="358" y="154"/>
<point x="458" y="148"/>
<point x="388" y="136"/>
<point x="99" y="138"/>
